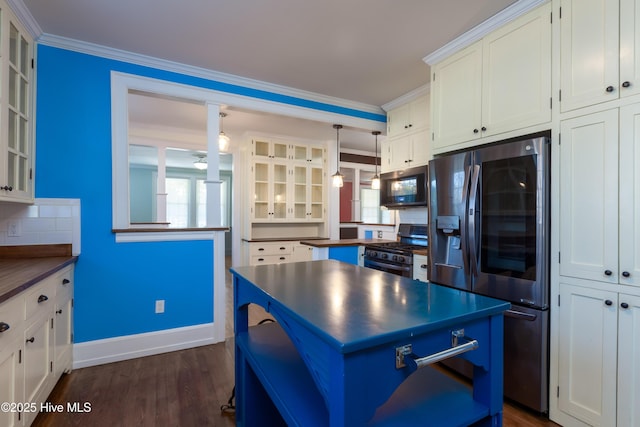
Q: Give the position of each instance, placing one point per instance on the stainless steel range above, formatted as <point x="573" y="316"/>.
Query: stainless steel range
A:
<point x="397" y="257"/>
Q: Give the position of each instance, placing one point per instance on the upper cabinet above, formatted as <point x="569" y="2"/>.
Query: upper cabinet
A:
<point x="16" y="141"/>
<point x="407" y="142"/>
<point x="599" y="51"/>
<point x="288" y="181"/>
<point x="410" y="117"/>
<point x="499" y="84"/>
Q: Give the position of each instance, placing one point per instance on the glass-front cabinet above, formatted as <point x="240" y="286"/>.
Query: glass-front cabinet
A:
<point x="16" y="143"/>
<point x="288" y="186"/>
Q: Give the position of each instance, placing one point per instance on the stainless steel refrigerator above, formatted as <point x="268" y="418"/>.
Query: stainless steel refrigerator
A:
<point x="488" y="234"/>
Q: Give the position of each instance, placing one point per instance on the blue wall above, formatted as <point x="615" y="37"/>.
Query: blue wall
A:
<point x="117" y="284"/>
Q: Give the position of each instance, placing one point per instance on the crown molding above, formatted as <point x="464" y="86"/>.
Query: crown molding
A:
<point x="506" y="15"/>
<point x="25" y="17"/>
<point x="148" y="61"/>
<point x="408" y="97"/>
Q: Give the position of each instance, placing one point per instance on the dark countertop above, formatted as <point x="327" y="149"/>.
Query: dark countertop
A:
<point x="326" y="243"/>
<point x="20" y="269"/>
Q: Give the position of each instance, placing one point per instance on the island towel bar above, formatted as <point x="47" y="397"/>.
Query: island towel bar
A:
<point x="414" y="362"/>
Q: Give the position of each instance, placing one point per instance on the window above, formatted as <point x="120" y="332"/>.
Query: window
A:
<point x="178" y="202"/>
<point x="370" y="210"/>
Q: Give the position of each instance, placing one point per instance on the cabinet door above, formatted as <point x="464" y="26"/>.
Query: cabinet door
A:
<point x="629" y="47"/>
<point x="629" y="264"/>
<point x="456" y="97"/>
<point x="587" y="354"/>
<point x="10" y="380"/>
<point x="398" y="121"/>
<point x="516" y="90"/>
<point x="301" y="192"/>
<point x="628" y="360"/>
<point x="589" y="52"/>
<point x="38" y="363"/>
<point x="419" y="148"/>
<point x="63" y="341"/>
<point x="589" y="197"/>
<point x="316" y="202"/>
<point x="260" y="201"/>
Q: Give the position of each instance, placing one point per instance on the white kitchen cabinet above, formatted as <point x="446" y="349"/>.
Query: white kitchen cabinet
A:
<point x="63" y="324"/>
<point x="33" y="352"/>
<point x="599" y="349"/>
<point x="410" y="117"/>
<point x="599" y="290"/>
<point x="499" y="84"/>
<point x="288" y="182"/>
<point x="16" y="141"/>
<point x="405" y="152"/>
<point x="599" y="196"/>
<point x="600" y="58"/>
<point x="420" y="265"/>
<point x="270" y="252"/>
<point x="11" y="336"/>
<point x="301" y="252"/>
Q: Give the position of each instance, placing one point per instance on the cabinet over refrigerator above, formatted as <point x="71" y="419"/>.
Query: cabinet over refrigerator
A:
<point x="488" y="234"/>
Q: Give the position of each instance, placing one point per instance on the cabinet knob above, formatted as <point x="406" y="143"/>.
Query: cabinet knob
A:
<point x="608" y="273"/>
<point x="4" y="327"/>
<point x="624" y="305"/>
<point x="42" y="298"/>
<point x="59" y="311"/>
<point x="626" y="274"/>
<point x="483" y="129"/>
<point x="609" y="89"/>
<point x="608" y="302"/>
<point x="476" y="131"/>
<point x="66" y="281"/>
<point x="626" y="84"/>
<point x="31" y="340"/>
<point x="423" y="266"/>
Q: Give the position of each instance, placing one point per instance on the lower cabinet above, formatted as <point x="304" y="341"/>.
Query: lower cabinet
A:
<point x="420" y="265"/>
<point x="36" y="339"/>
<point x="598" y="351"/>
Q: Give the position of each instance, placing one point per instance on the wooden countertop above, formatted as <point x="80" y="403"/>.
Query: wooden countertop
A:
<point x="23" y="266"/>
<point x="326" y="243"/>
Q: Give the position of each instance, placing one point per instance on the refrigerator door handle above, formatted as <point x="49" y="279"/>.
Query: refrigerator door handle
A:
<point x="520" y="315"/>
<point x="464" y="236"/>
<point x="471" y="228"/>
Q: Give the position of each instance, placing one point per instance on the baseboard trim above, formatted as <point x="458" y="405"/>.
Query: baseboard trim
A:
<point x="99" y="352"/>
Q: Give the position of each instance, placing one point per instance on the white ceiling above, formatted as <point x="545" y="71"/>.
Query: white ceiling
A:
<point x="368" y="51"/>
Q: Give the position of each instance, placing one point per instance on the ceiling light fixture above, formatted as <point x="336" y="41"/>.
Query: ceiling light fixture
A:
<point x="223" y="139"/>
<point x="201" y="163"/>
<point x="338" y="179"/>
<point x="375" y="181"/>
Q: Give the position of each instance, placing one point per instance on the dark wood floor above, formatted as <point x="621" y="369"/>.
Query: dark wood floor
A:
<point x="181" y="388"/>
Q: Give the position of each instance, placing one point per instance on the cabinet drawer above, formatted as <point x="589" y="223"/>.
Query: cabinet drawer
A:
<point x="40" y="300"/>
<point x="270" y="259"/>
<point x="260" y="249"/>
<point x="11" y="320"/>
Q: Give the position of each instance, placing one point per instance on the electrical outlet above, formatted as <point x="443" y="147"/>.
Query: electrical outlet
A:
<point x="160" y="306"/>
<point x="379" y="234"/>
<point x="13" y="228"/>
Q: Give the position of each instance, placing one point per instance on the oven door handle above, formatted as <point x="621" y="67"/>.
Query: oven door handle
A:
<point x="385" y="265"/>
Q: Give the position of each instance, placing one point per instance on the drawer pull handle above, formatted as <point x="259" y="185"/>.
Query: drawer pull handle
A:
<point x="260" y="249"/>
<point x="282" y="248"/>
<point x="4" y="327"/>
<point x="66" y="281"/>
<point x="423" y="265"/>
<point x="31" y="340"/>
<point x="42" y="298"/>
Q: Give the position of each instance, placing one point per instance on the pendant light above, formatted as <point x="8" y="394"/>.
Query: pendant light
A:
<point x="375" y="181"/>
<point x="223" y="139"/>
<point x="337" y="177"/>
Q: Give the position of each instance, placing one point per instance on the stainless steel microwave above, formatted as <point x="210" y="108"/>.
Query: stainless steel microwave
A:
<point x="404" y="188"/>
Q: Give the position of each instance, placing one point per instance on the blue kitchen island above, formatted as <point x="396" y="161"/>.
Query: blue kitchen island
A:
<point x="354" y="346"/>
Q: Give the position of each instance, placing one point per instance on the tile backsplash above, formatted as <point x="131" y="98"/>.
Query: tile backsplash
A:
<point x="47" y="221"/>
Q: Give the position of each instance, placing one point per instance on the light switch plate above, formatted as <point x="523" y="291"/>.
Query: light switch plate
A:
<point x="13" y="228"/>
